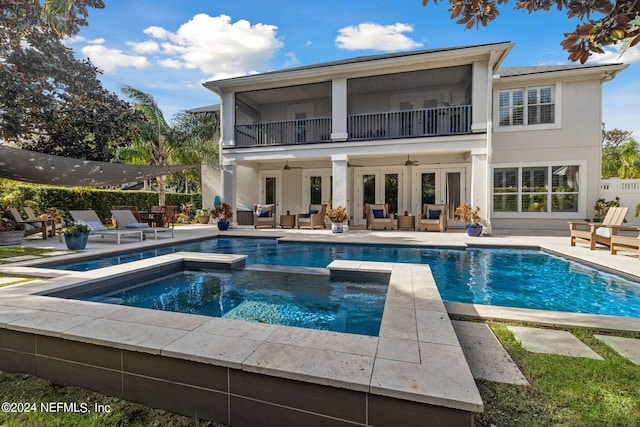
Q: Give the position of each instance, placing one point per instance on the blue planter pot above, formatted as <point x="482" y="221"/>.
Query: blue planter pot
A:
<point x="76" y="242"/>
<point x="474" y="230"/>
<point x="223" y="225"/>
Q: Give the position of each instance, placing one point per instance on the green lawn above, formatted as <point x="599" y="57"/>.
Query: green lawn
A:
<point x="11" y="251"/>
<point x="564" y="391"/>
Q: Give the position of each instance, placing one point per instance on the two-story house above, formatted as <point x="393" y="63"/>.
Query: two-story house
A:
<point x="430" y="126"/>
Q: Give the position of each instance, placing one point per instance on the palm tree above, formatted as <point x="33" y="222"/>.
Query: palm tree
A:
<point x="160" y="144"/>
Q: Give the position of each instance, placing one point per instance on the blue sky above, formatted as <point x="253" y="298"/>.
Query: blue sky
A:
<point x="169" y="48"/>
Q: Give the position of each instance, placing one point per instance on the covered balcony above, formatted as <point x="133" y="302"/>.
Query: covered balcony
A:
<point x="425" y="103"/>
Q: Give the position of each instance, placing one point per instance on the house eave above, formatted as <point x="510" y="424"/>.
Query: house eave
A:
<point x="364" y="66"/>
<point x="604" y="72"/>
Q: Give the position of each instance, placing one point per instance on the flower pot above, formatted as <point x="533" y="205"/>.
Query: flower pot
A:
<point x="11" y="238"/>
<point x="204" y="219"/>
<point x="76" y="242"/>
<point x="337" y="227"/>
<point x="223" y="225"/>
<point x="474" y="230"/>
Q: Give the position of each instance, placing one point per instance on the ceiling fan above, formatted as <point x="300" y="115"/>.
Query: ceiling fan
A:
<point x="288" y="168"/>
<point x="410" y="162"/>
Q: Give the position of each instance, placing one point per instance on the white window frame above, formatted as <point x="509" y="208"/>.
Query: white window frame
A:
<point x="582" y="203"/>
<point x="557" y="90"/>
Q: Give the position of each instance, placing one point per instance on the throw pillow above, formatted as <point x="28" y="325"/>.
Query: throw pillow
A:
<point x="96" y="226"/>
<point x="313" y="211"/>
<point x="434" y="214"/>
<point x="264" y="212"/>
<point x="137" y="225"/>
<point x="378" y="213"/>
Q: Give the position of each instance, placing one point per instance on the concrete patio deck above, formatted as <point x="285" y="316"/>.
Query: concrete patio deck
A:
<point x="555" y="241"/>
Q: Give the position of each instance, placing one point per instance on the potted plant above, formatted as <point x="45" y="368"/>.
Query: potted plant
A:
<point x="76" y="235"/>
<point x="471" y="218"/>
<point x="203" y="215"/>
<point x="602" y="206"/>
<point x="223" y="213"/>
<point x="11" y="231"/>
<point x="338" y="217"/>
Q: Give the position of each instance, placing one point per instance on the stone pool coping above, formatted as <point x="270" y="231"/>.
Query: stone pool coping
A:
<point x="417" y="356"/>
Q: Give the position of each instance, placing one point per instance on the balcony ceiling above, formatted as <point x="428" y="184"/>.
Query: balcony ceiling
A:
<point x="415" y="80"/>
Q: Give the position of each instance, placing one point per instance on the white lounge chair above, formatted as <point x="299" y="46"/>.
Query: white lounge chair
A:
<point x="91" y="218"/>
<point x="127" y="221"/>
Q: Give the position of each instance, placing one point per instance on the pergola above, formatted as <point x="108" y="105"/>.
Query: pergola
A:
<point x="38" y="168"/>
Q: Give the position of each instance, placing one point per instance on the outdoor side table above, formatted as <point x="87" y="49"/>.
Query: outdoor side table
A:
<point x="406" y="222"/>
<point x="287" y="221"/>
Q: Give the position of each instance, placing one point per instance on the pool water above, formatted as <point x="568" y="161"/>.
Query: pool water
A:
<point x="504" y="277"/>
<point x="289" y="299"/>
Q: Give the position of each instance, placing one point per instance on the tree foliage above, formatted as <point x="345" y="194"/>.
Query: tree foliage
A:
<point x="620" y="155"/>
<point x="618" y="21"/>
<point x="49" y="101"/>
<point x="187" y="141"/>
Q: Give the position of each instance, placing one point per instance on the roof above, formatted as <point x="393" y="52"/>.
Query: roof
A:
<point x="541" y="69"/>
<point x="360" y="60"/>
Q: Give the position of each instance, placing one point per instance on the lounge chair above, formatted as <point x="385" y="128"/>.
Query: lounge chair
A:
<point x="433" y="218"/>
<point x="624" y="243"/>
<point x="32" y="226"/>
<point x="313" y="218"/>
<point x="598" y="232"/>
<point x="264" y="216"/>
<point x="126" y="220"/>
<point x="91" y="218"/>
<point x="133" y="209"/>
<point x="378" y="217"/>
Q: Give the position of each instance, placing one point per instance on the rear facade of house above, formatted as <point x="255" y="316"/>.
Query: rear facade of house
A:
<point x="440" y="126"/>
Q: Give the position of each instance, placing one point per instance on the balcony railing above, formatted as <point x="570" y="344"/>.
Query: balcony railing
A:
<point x="401" y="124"/>
<point x="305" y="131"/>
<point x="397" y="124"/>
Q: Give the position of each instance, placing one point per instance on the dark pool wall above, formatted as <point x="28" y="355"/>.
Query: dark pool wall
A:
<point x="225" y="395"/>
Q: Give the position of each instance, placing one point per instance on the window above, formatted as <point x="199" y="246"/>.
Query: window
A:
<point x="537" y="108"/>
<point x="536" y="189"/>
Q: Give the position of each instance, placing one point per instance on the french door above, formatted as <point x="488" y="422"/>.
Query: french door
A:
<point x="378" y="187"/>
<point x="439" y="186"/>
<point x="318" y="187"/>
<point x="271" y="189"/>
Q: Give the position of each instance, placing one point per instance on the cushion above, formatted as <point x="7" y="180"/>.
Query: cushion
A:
<point x="137" y="225"/>
<point x="313" y="211"/>
<point x="378" y="213"/>
<point x="603" y="232"/>
<point x="96" y="226"/>
<point x="434" y="214"/>
<point x="263" y="212"/>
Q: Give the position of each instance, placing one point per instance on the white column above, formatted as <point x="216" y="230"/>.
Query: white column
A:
<point x="339" y="110"/>
<point x="479" y="186"/>
<point x="340" y="181"/>
<point x="228" y="113"/>
<point x="229" y="186"/>
<point x="480" y="90"/>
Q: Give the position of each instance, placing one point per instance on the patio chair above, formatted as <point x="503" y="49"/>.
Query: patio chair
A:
<point x="313" y="218"/>
<point x="54" y="225"/>
<point x="598" y="232"/>
<point x="91" y="218"/>
<point x="32" y="226"/>
<point x="379" y="217"/>
<point x="168" y="217"/>
<point x="126" y="220"/>
<point x="264" y="216"/>
<point x="433" y="218"/>
<point x="624" y="243"/>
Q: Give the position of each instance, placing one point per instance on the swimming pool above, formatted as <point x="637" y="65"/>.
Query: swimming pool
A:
<point x="290" y="299"/>
<point x="505" y="277"/>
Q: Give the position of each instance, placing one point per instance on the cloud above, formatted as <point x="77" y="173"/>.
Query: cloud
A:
<point x="292" y="60"/>
<point x="219" y="47"/>
<point x="109" y="59"/>
<point x="145" y="47"/>
<point x="171" y="63"/>
<point x="612" y="54"/>
<point x="80" y="39"/>
<point x="378" y="37"/>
